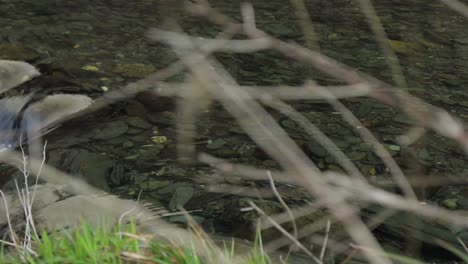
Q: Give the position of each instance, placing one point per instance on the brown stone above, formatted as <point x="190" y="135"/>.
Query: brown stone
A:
<point x="154" y="102"/>
<point x="135" y="108"/>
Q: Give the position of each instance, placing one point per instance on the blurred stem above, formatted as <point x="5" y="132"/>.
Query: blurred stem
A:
<point x="379" y="32"/>
<point x="305" y="22"/>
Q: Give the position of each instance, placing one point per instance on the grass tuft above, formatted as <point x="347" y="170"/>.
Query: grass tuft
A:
<point x="87" y="245"/>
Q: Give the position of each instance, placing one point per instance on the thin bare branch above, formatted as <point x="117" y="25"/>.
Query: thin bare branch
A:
<point x="318" y="136"/>
<point x="325" y="241"/>
<point x="379" y="32"/>
<point x="284" y="232"/>
<point x="457" y="6"/>
<point x="306" y="24"/>
<point x="379" y="149"/>
<point x="283" y="203"/>
<point x="283" y="92"/>
<point x="12" y="232"/>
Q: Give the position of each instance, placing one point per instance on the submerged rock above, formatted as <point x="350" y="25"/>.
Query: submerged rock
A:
<point x="53" y="209"/>
<point x="20" y="117"/>
<point x="13" y="73"/>
<point x="17" y="51"/>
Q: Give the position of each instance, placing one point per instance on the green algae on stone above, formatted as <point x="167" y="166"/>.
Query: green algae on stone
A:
<point x="149" y="152"/>
<point x="134" y="70"/>
<point x="393" y="147"/>
<point x="405" y="48"/>
<point x="90" y="68"/>
<point x="161" y="140"/>
<point x="287" y="123"/>
<point x="180" y="197"/>
<point x="450" y="203"/>
<point x="357" y="155"/>
<point x="151" y="185"/>
<point x="233" y="179"/>
<point x="368" y="170"/>
<point x="215" y="144"/>
<point x="17" y="51"/>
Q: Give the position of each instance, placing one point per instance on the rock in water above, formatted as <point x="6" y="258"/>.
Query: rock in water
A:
<point x="43" y="116"/>
<point x="19" y="117"/>
<point x="54" y="209"/>
<point x="13" y="73"/>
